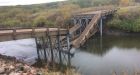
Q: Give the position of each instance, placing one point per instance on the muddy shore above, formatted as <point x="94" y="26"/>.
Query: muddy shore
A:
<point x="12" y="66"/>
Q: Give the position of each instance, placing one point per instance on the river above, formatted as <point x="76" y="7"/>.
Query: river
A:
<point x="99" y="56"/>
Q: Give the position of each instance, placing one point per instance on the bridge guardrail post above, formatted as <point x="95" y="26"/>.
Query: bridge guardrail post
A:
<point x="14" y="34"/>
<point x="33" y="32"/>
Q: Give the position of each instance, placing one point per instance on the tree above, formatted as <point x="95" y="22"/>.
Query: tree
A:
<point x="124" y="2"/>
<point x="83" y="3"/>
<point x="39" y="21"/>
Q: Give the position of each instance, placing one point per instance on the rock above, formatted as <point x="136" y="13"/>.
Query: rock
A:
<point x="19" y="67"/>
<point x="11" y="67"/>
<point x="14" y="73"/>
<point x="27" y="68"/>
<point x="2" y="70"/>
<point x="3" y="65"/>
<point x="33" y="71"/>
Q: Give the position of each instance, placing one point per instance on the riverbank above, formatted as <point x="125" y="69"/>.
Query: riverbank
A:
<point x="119" y="32"/>
<point x="11" y="66"/>
<point x="127" y="19"/>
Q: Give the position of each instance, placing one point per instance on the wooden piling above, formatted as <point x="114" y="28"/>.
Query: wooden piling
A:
<point x="101" y="27"/>
<point x="51" y="47"/>
<point x="33" y="32"/>
<point x="68" y="47"/>
<point x="14" y="34"/>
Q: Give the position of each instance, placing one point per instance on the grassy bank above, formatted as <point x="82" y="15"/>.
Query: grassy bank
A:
<point x="126" y="18"/>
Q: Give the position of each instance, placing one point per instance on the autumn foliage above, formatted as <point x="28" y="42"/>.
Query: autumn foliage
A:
<point x="51" y="14"/>
<point x="124" y="2"/>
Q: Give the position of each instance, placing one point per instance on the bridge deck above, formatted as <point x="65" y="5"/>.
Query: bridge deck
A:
<point x="13" y="34"/>
<point x="103" y="12"/>
<point x="87" y="32"/>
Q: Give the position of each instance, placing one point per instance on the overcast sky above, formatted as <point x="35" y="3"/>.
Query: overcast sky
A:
<point x="24" y="2"/>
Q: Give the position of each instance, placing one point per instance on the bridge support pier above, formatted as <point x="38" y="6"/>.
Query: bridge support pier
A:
<point x="53" y="49"/>
<point x="101" y="27"/>
<point x="68" y="48"/>
<point x="80" y="23"/>
<point x="37" y="47"/>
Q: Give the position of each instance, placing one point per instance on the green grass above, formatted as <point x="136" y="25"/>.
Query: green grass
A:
<point x="127" y="18"/>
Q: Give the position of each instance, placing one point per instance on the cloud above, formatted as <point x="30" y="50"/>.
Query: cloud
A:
<point x="24" y="2"/>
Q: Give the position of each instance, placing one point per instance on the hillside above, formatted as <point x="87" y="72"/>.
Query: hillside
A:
<point x="51" y="14"/>
<point x="27" y="15"/>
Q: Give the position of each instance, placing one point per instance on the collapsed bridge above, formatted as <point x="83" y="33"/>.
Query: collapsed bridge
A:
<point x="56" y="43"/>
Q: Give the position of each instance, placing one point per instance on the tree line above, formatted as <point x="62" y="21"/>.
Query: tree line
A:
<point x="50" y="14"/>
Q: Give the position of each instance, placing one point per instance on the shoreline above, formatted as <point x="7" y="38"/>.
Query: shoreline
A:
<point x="118" y="32"/>
<point x="11" y="66"/>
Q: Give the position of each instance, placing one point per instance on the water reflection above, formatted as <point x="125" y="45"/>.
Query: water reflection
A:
<point x="102" y="56"/>
<point x="98" y="45"/>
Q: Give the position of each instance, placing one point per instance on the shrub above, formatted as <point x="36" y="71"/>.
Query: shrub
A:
<point x="127" y="19"/>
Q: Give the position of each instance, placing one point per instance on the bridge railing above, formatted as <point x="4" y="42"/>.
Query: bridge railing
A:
<point x="19" y="28"/>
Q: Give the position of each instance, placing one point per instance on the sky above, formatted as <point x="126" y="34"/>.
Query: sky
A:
<point x="24" y="2"/>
